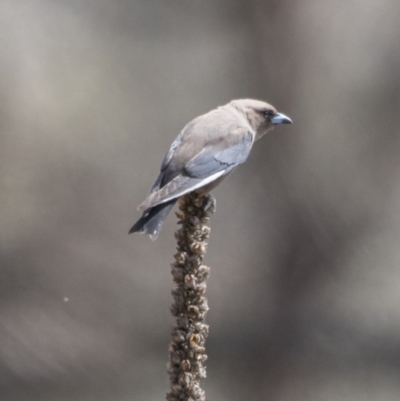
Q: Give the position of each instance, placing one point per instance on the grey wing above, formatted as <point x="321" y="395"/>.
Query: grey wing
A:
<point x="171" y="150"/>
<point x="209" y="161"/>
<point x="163" y="176"/>
<point x="207" y="166"/>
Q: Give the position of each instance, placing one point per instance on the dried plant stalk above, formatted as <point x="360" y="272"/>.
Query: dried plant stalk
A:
<point x="189" y="333"/>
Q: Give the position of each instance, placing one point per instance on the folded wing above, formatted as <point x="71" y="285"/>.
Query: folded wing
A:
<point x="218" y="156"/>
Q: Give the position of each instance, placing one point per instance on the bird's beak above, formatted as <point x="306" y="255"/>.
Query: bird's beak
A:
<point x="280" y="118"/>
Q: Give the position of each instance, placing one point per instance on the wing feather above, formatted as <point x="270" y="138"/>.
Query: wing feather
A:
<point x="220" y="155"/>
<point x="209" y="161"/>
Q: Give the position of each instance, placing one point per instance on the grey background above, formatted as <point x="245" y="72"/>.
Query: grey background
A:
<point x="305" y="275"/>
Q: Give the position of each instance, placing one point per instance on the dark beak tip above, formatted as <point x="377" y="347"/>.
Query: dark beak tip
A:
<point x="281" y="119"/>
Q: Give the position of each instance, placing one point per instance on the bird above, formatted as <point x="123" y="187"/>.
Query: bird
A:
<point x="205" y="152"/>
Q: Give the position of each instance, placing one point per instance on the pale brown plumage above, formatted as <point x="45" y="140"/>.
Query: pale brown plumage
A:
<point x="208" y="149"/>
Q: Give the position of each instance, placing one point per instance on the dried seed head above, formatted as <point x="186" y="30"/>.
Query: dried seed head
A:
<point x="187" y="352"/>
<point x="179" y="336"/>
<point x="180" y="257"/>
<point x="202" y="372"/>
<point x="201" y="288"/>
<point x="178" y="273"/>
<point x="182" y="321"/>
<point x="198" y="202"/>
<point x="174" y="310"/>
<point x="193" y="221"/>
<point x="198" y="248"/>
<point x="198" y="351"/>
<point x="192" y="310"/>
<point x="203" y="272"/>
<point x="194" y="340"/>
<point x="180" y="214"/>
<point x="186" y="365"/>
<point x="176" y="388"/>
<point x="174" y="358"/>
<point x="190" y="281"/>
<point x="185" y="379"/>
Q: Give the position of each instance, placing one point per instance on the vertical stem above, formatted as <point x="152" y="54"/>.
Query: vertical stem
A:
<point x="189" y="333"/>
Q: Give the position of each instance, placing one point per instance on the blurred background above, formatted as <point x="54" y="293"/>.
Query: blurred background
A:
<point x="304" y="291"/>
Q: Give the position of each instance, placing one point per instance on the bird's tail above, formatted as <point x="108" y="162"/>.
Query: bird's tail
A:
<point x="153" y="219"/>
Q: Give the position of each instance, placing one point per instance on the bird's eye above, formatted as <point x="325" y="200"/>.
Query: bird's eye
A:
<point x="268" y="113"/>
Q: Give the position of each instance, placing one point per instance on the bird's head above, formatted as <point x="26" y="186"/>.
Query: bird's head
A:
<point x="260" y="115"/>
